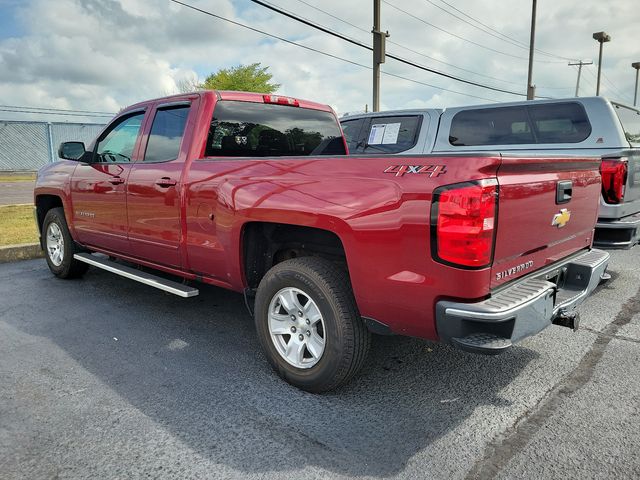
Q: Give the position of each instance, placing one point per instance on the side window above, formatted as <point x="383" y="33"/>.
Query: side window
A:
<point x="166" y="134"/>
<point x="560" y="123"/>
<point x="118" y="143"/>
<point x="527" y="124"/>
<point x="391" y="134"/>
<point x="351" y="130"/>
<point x="491" y="126"/>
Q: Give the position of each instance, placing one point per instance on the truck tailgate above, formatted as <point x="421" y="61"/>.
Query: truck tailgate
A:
<point x="547" y="210"/>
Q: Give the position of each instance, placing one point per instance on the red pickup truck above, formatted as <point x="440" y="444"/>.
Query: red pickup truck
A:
<point x="255" y="193"/>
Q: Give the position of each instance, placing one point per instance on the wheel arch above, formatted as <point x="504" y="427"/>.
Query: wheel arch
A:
<point x="44" y="203"/>
<point x="265" y="244"/>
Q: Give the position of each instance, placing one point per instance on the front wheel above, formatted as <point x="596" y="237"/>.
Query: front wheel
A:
<point x="308" y="324"/>
<point x="59" y="246"/>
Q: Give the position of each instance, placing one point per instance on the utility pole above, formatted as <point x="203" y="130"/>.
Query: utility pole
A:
<point x="601" y="38"/>
<point x="580" y="64"/>
<point x="379" y="38"/>
<point x="636" y="65"/>
<point x="531" y="89"/>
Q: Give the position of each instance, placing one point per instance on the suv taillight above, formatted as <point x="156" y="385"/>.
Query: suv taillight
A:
<point x="614" y="178"/>
<point x="463" y="218"/>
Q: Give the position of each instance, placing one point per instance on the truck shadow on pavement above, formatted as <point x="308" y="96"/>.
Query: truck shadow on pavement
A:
<point x="195" y="367"/>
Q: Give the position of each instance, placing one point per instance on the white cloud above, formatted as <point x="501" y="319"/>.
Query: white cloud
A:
<point x="105" y="54"/>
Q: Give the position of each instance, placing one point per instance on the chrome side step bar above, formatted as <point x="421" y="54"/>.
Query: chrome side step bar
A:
<point x="138" y="275"/>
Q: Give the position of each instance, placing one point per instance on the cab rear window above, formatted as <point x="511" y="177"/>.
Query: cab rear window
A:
<point x="246" y="129"/>
<point x="524" y="124"/>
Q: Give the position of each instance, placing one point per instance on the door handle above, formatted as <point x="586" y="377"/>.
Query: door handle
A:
<point x="165" y="182"/>
<point x="116" y="180"/>
<point x="564" y="190"/>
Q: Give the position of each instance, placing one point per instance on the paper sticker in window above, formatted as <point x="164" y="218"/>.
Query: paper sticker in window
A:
<point x="391" y="132"/>
<point x="384" y="134"/>
<point x="376" y="134"/>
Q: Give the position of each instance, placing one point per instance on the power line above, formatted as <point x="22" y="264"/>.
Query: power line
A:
<point x="320" y="51"/>
<point x="335" y="17"/>
<point x="453" y="77"/>
<point x="394" y="57"/>
<point x="439" y="88"/>
<point x="509" y="41"/>
<point x="462" y="38"/>
<point x="484" y="24"/>
<point x="614" y="90"/>
<point x="523" y="44"/>
<point x="452" y="65"/>
<point x="257" y="30"/>
<point x="56" y="109"/>
<point x="404" y="47"/>
<point x="52" y="113"/>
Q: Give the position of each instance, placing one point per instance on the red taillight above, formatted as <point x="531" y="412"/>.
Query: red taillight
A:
<point x="292" y="102"/>
<point x="462" y="220"/>
<point x="614" y="178"/>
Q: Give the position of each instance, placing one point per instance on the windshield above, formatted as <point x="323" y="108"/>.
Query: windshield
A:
<point x="246" y="129"/>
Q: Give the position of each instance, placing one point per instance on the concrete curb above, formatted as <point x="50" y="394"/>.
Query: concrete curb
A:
<point x="13" y="253"/>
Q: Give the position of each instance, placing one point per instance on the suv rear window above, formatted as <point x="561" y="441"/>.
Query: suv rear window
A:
<point x="523" y="124"/>
<point x="246" y="129"/>
<point x="630" y="120"/>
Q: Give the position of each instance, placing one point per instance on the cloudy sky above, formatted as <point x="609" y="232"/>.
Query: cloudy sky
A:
<point x="101" y="55"/>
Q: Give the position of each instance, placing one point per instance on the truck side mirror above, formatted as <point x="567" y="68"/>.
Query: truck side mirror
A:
<point x="71" y="150"/>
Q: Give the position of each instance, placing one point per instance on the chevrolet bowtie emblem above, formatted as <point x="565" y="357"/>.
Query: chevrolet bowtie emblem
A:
<point x="561" y="219"/>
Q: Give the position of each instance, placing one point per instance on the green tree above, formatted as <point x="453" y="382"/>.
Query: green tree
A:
<point x="245" y="78"/>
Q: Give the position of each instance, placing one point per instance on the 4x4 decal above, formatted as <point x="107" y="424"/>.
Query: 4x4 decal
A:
<point x="431" y="170"/>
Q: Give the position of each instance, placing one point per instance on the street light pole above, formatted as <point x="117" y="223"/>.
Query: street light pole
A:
<point x="580" y="64"/>
<point x="378" y="53"/>
<point x="531" y="89"/>
<point x="636" y="65"/>
<point x="601" y="38"/>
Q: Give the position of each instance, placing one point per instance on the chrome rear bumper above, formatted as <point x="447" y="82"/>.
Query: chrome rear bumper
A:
<point x="524" y="308"/>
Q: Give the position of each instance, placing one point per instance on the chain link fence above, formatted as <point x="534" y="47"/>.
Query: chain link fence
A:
<point x="27" y="146"/>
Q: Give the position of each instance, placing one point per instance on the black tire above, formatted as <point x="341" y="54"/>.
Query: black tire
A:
<point x="66" y="266"/>
<point x="347" y="339"/>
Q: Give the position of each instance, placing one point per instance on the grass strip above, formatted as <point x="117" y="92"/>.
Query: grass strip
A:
<point x="17" y="225"/>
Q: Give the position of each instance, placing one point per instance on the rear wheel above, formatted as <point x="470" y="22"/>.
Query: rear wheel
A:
<point x="59" y="247"/>
<point x="308" y="324"/>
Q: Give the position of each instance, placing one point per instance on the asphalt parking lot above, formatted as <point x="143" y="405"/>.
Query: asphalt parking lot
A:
<point x="107" y="378"/>
<point x="14" y="193"/>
